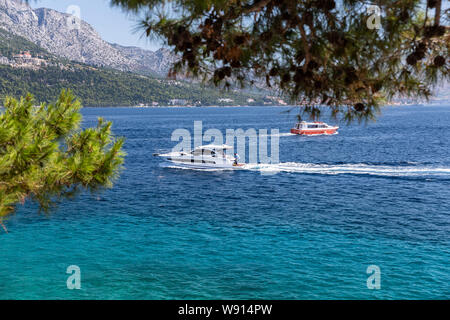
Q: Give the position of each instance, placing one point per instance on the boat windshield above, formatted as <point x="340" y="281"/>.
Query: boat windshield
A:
<point x="221" y="151"/>
<point x="204" y="152"/>
<point x="209" y="152"/>
<point x="197" y="152"/>
<point x="315" y="126"/>
<point x="212" y="151"/>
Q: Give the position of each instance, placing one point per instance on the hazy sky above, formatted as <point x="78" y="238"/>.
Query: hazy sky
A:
<point x="111" y="23"/>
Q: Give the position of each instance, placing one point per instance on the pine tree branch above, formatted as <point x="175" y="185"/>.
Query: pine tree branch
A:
<point x="437" y="14"/>
<point x="305" y="45"/>
<point x="256" y="6"/>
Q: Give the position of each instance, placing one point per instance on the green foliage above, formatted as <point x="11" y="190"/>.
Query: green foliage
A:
<point x="45" y="156"/>
<point x="317" y="52"/>
<point x="11" y="44"/>
<point x="106" y="88"/>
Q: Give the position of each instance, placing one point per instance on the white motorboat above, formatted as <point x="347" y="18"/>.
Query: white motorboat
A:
<point x="204" y="157"/>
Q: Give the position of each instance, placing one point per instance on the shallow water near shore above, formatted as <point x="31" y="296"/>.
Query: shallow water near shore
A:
<point x="305" y="228"/>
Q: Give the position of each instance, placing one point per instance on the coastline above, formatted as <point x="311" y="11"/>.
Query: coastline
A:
<point x="443" y="103"/>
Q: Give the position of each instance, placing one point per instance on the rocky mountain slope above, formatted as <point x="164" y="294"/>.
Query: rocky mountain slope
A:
<point x="158" y="62"/>
<point x="53" y="31"/>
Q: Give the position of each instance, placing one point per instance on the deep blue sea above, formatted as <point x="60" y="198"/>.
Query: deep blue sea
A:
<point x="375" y="194"/>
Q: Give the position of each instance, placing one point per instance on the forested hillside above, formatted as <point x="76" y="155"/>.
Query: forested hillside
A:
<point x="97" y="86"/>
<point x="11" y="44"/>
<point x="107" y="87"/>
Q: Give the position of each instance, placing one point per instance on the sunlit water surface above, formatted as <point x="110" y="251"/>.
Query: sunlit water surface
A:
<point x="306" y="228"/>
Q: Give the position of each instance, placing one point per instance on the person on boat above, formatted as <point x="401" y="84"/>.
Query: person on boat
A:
<point x="236" y="158"/>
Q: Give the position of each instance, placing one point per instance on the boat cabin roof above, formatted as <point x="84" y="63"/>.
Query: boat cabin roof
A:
<point x="315" y="122"/>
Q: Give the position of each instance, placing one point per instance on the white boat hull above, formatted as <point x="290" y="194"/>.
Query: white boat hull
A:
<point x="203" y="157"/>
<point x="204" y="166"/>
<point x="201" y="162"/>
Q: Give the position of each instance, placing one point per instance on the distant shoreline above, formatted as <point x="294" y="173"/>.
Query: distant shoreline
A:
<point x="446" y="103"/>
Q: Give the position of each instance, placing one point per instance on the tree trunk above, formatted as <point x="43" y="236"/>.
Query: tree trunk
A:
<point x="437" y="14"/>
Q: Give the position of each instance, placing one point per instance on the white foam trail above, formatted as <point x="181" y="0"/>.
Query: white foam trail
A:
<point x="325" y="169"/>
<point x="281" y="134"/>
<point x="364" y="169"/>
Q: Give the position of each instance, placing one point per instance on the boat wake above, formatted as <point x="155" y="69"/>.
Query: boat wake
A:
<point x="281" y="134"/>
<point x="400" y="170"/>
<point x="353" y="168"/>
<point x="289" y="134"/>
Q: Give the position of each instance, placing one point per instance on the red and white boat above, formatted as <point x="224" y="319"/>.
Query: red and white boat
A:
<point x="313" y="128"/>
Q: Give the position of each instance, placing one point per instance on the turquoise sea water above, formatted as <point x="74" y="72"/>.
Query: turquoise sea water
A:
<point x="376" y="194"/>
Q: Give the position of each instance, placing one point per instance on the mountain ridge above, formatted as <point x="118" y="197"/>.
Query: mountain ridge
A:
<point x="51" y="30"/>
